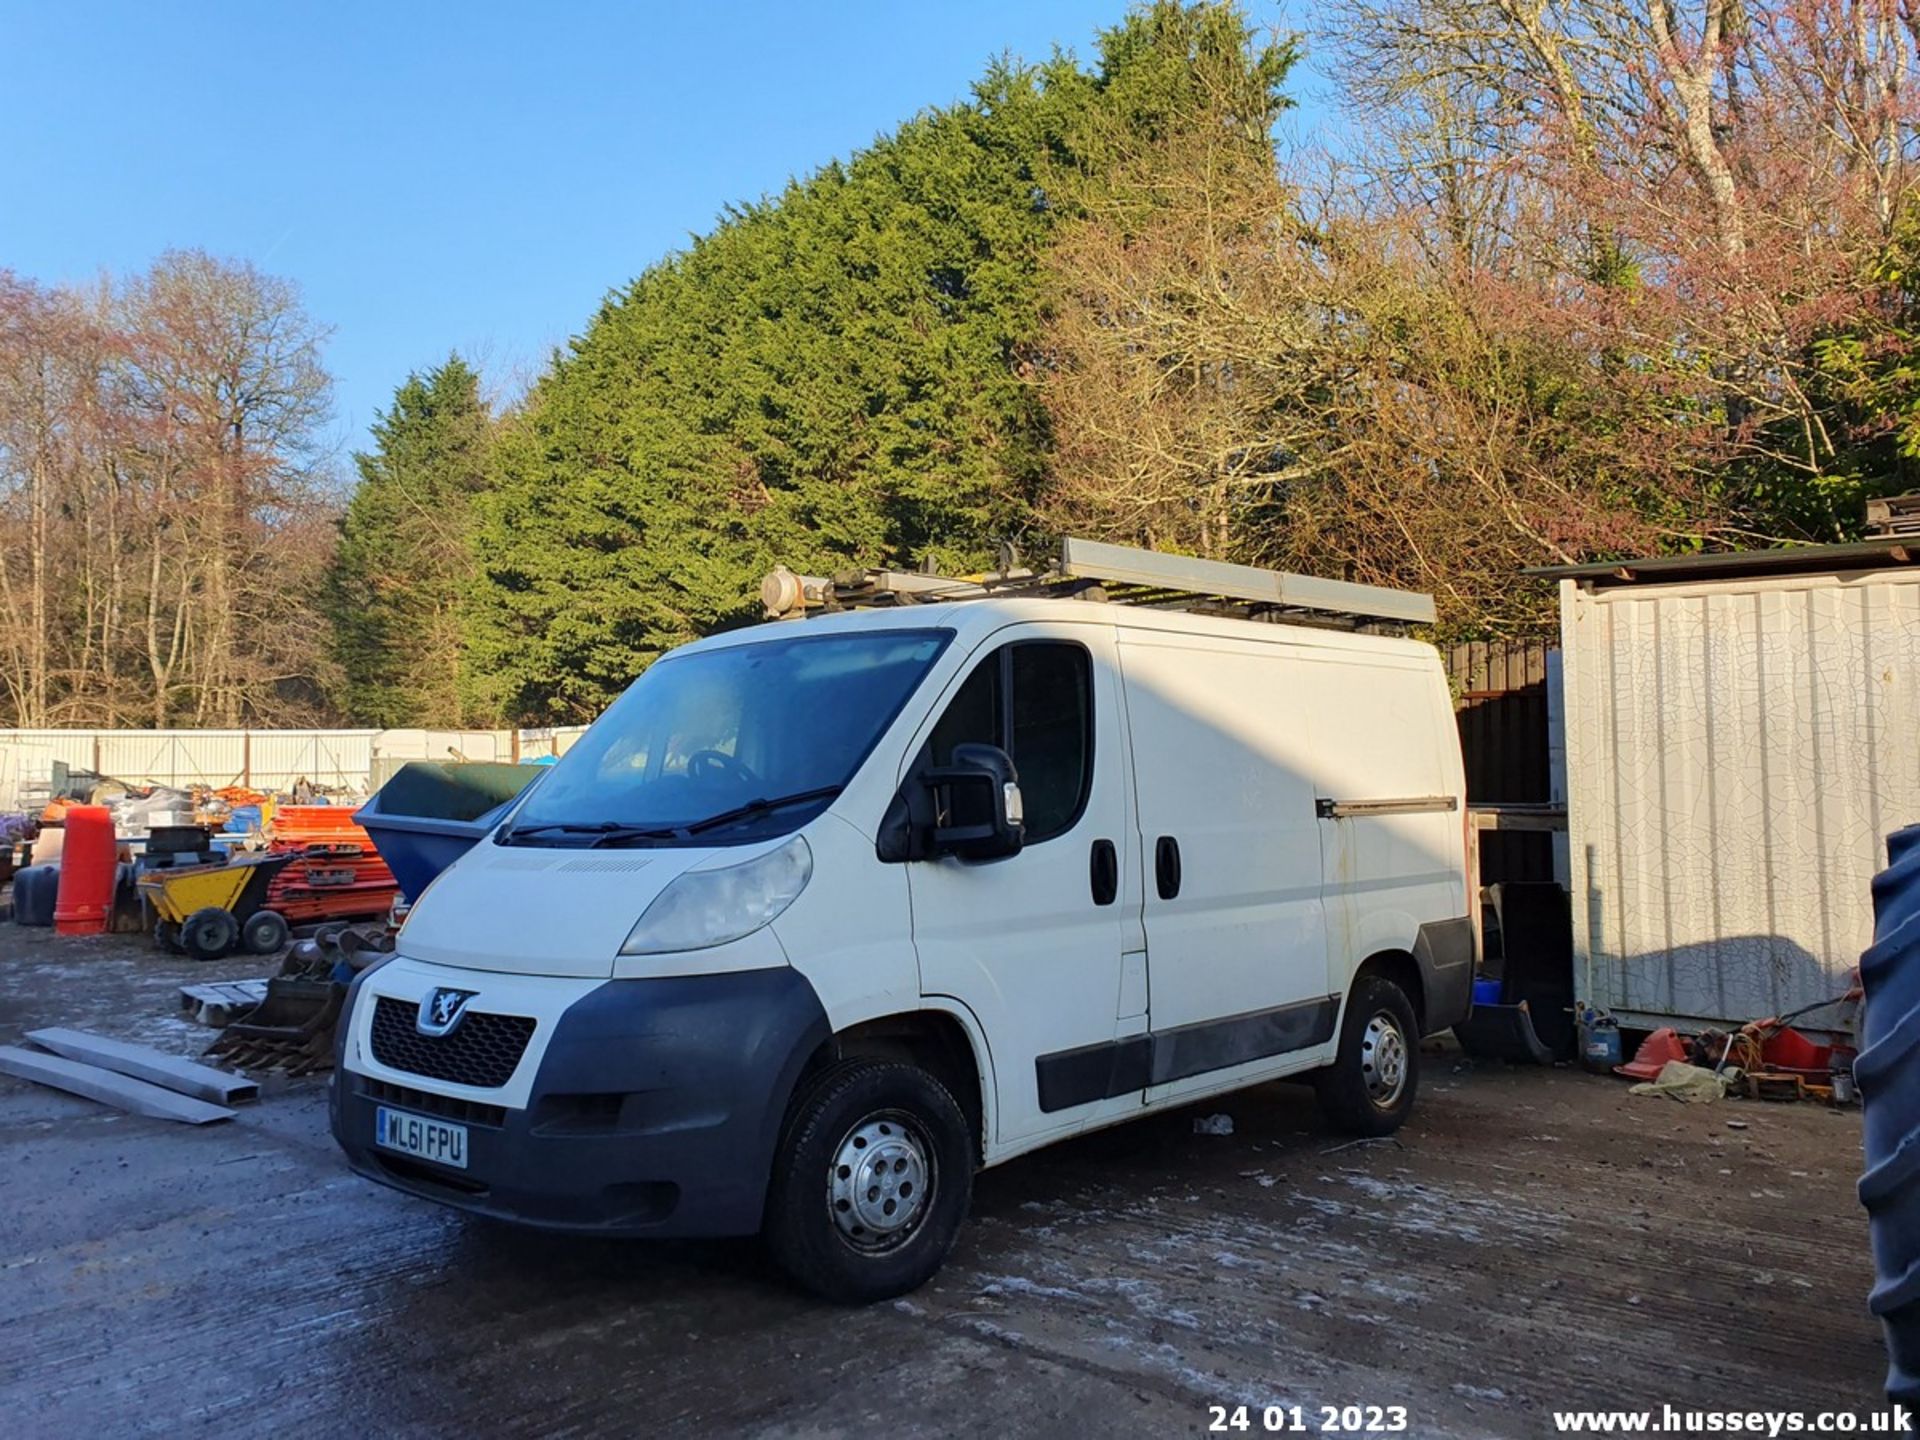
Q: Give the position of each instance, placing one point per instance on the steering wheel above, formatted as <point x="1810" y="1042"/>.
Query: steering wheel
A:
<point x="718" y="765"/>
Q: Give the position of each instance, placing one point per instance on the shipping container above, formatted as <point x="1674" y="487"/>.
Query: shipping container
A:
<point x="1740" y="740"/>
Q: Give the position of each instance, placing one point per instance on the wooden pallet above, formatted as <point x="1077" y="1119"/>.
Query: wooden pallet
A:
<point x="219" y="1005"/>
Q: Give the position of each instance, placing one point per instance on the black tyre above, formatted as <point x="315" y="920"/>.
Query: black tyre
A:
<point x="208" y="934"/>
<point x="1369" y="1088"/>
<point x="872" y="1178"/>
<point x="264" y="933"/>
<point x="166" y="935"/>
<point x="1888" y="1071"/>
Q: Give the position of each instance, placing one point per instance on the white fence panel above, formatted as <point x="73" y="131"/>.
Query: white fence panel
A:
<point x="74" y="747"/>
<point x="25" y="766"/>
<point x="264" y="759"/>
<point x="486" y="745"/>
<point x="172" y="757"/>
<point x="339" y="759"/>
<point x="554" y="741"/>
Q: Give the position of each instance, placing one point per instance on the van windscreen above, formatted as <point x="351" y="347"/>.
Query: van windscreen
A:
<point x="729" y="745"/>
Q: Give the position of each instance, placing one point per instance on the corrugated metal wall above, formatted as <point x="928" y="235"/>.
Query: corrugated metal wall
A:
<point x="1500" y="699"/>
<point x="1737" y="751"/>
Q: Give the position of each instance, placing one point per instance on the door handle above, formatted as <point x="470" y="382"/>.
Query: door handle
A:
<point x="1166" y="866"/>
<point x="1103" y="870"/>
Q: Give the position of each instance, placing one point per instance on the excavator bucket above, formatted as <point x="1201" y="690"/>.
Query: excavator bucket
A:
<point x="292" y="1029"/>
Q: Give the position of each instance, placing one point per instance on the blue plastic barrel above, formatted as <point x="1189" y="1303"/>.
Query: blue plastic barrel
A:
<point x="36" y="890"/>
<point x="1600" y="1044"/>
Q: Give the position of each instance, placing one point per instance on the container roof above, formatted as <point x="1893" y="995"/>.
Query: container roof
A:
<point x="1741" y="564"/>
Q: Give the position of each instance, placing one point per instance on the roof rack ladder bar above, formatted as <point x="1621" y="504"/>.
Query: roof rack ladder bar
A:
<point x="1121" y="564"/>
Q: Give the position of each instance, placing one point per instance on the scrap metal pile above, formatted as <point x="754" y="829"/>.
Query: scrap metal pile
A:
<point x="292" y="1027"/>
<point x="214" y="873"/>
<point x="335" y="874"/>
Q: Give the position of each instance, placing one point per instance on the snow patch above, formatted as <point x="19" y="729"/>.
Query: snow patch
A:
<point x="1480" y="1392"/>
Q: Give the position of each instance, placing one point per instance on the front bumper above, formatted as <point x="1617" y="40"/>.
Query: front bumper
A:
<point x="655" y="1110"/>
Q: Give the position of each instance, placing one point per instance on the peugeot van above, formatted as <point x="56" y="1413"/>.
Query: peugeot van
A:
<point x="821" y="917"/>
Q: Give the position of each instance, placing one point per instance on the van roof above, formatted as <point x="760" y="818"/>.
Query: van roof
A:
<point x="971" y="620"/>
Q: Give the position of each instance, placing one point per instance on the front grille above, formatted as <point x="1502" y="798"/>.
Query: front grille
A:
<point x="482" y="1051"/>
<point x="468" y="1112"/>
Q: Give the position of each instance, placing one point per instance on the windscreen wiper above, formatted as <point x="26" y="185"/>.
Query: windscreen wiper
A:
<point x="614" y="832"/>
<point x="602" y="831"/>
<point x="760" y="807"/>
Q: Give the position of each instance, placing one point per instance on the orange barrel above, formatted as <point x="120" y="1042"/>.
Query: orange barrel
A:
<point x="89" y="864"/>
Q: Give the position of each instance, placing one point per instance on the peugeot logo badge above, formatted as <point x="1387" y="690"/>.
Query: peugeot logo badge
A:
<point x="441" y="1011"/>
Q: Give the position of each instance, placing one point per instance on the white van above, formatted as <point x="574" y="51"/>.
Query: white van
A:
<point x="821" y="917"/>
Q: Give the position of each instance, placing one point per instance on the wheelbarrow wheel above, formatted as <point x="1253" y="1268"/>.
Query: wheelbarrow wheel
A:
<point x="210" y="933"/>
<point x="265" y="933"/>
<point x="166" y="935"/>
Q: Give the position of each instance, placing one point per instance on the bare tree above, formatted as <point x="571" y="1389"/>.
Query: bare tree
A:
<point x="1704" y="184"/>
<point x="162" y="502"/>
<point x="225" y="366"/>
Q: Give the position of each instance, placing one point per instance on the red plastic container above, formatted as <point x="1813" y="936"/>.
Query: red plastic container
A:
<point x="88" y="868"/>
<point x="1794" y="1053"/>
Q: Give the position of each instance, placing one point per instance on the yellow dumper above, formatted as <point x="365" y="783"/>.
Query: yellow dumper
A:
<point x="212" y="910"/>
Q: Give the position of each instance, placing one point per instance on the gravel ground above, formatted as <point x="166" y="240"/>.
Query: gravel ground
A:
<point x="1531" y="1241"/>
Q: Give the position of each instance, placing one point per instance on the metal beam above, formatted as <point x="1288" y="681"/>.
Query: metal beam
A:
<point x="1124" y="565"/>
<point x="1397" y="805"/>
<point x="142" y="1063"/>
<point x="103" y="1085"/>
<point x="1537" y="818"/>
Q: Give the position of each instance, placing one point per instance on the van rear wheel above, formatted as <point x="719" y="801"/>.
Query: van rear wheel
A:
<point x="871" y="1182"/>
<point x="1369" y="1088"/>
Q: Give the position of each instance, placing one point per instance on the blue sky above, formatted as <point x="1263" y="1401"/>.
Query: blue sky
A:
<point x="473" y="176"/>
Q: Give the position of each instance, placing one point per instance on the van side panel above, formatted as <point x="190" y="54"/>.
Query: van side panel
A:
<point x="1222" y="762"/>
<point x="1394" y="881"/>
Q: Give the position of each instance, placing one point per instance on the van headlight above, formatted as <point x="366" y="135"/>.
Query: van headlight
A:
<point x="704" y="908"/>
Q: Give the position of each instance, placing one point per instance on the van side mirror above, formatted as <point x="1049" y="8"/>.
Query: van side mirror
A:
<point x="970" y="809"/>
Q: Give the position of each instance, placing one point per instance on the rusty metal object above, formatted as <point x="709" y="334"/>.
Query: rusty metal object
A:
<point x="292" y="1029"/>
<point x="1774" y="1085"/>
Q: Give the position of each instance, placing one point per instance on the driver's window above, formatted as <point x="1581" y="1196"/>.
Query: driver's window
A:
<point x="975" y="715"/>
<point x="1033" y="699"/>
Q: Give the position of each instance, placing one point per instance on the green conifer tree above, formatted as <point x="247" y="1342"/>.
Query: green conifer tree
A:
<point x="406" y="556"/>
<point x="843" y="375"/>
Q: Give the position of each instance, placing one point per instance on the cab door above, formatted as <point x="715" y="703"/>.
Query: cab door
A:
<point x="1033" y="943"/>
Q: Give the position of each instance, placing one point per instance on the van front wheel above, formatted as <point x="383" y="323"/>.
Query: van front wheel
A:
<point x="872" y="1180"/>
<point x="1369" y="1088"/>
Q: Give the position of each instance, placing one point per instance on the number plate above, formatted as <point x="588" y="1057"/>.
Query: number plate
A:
<point x="418" y="1136"/>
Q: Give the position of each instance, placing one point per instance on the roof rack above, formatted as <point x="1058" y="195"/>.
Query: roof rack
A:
<point x="1118" y="574"/>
